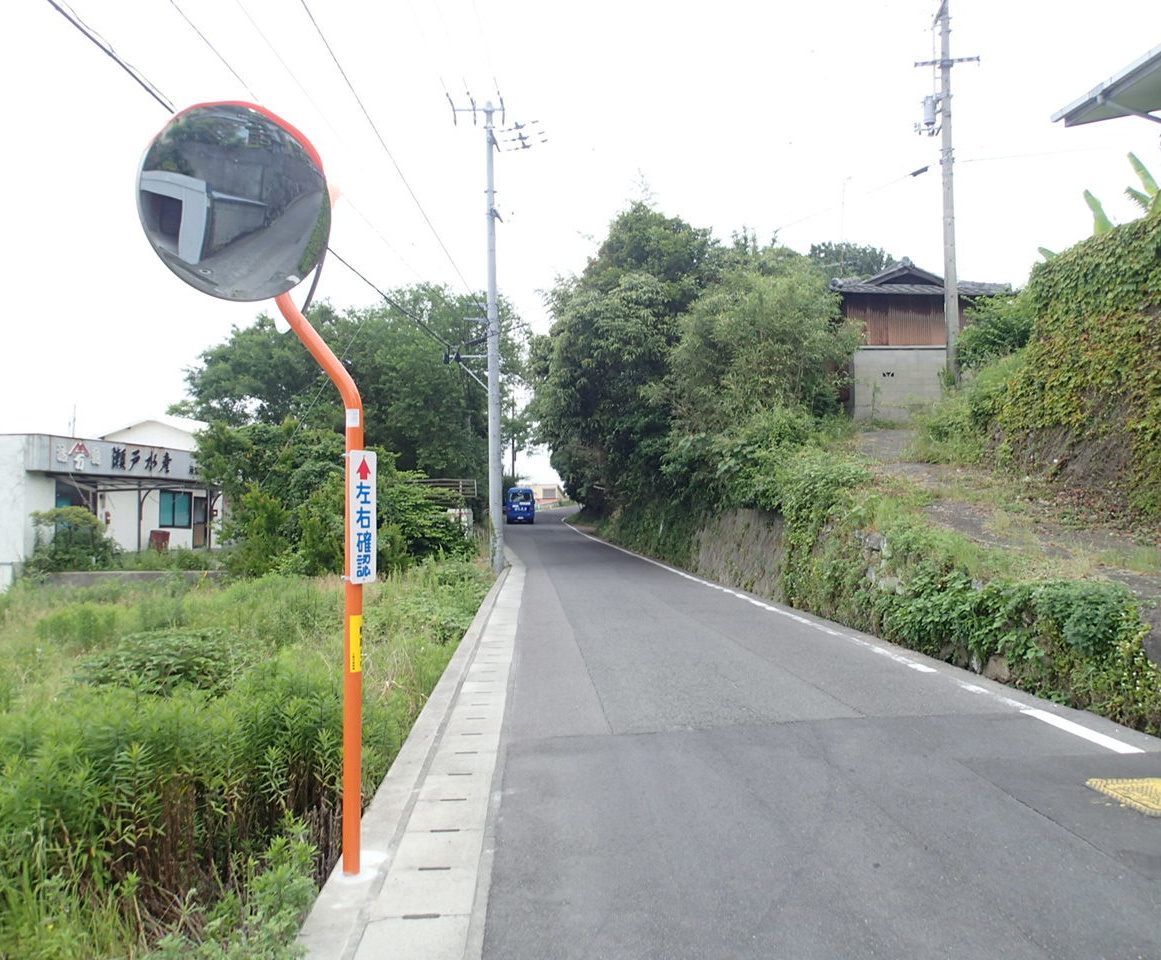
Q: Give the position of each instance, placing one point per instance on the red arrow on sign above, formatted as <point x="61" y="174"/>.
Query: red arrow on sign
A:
<point x="364" y="471"/>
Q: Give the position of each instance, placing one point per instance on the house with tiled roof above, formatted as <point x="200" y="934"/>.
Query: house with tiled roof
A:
<point x="904" y="348"/>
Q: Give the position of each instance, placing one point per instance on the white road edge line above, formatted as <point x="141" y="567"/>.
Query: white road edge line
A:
<point x="1077" y="730"/>
<point x="1068" y="726"/>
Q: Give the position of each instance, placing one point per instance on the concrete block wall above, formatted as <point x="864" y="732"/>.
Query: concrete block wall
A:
<point x="888" y="381"/>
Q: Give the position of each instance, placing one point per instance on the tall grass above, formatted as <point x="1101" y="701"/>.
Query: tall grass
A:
<point x="158" y="742"/>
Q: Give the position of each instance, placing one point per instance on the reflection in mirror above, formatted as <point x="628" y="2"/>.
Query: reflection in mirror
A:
<point x="234" y="202"/>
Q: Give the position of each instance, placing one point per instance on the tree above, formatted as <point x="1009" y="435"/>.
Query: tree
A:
<point x="597" y="374"/>
<point x="681" y="258"/>
<point x="284" y="485"/>
<point x="1148" y="200"/>
<point x="593" y="406"/>
<point x="849" y="259"/>
<point x="770" y="335"/>
<point x="257" y="376"/>
<point x="431" y="413"/>
<point x="516" y="430"/>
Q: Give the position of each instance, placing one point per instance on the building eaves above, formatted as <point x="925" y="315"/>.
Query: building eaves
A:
<point x="967" y="288"/>
<point x="1134" y="91"/>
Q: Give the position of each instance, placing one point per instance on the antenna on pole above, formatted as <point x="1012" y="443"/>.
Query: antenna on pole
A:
<point x="500" y="97"/>
<point x="938" y="106"/>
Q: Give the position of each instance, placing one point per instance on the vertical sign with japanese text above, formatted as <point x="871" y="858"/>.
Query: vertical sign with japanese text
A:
<point x="362" y="528"/>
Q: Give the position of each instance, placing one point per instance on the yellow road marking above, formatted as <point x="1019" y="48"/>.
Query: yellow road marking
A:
<point x="1143" y="795"/>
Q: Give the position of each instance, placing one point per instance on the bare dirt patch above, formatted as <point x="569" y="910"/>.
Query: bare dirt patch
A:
<point x="1029" y="516"/>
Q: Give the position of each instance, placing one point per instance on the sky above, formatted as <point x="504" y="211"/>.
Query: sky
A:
<point x="793" y="121"/>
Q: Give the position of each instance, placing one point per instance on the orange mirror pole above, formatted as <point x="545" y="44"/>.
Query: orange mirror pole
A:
<point x="353" y="592"/>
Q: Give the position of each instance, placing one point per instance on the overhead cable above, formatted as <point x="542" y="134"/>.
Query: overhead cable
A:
<point x="205" y="40"/>
<point x="107" y="48"/>
<point x="392" y="302"/>
<point x="386" y="149"/>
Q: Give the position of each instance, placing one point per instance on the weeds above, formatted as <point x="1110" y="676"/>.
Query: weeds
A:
<point x="179" y="786"/>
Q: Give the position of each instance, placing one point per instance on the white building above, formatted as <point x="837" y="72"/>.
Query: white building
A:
<point x="142" y="480"/>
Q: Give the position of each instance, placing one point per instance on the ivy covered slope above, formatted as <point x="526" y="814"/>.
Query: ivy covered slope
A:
<point x="1085" y="404"/>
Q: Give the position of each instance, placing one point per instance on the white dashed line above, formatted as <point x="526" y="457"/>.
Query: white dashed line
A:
<point x="1068" y="726"/>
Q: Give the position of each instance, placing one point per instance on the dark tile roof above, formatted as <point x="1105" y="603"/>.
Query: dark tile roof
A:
<point x="909" y="280"/>
<point x="967" y="288"/>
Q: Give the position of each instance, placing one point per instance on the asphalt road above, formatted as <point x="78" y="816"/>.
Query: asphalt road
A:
<point x="688" y="772"/>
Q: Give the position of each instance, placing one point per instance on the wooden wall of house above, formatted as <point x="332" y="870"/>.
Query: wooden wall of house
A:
<point x="899" y="320"/>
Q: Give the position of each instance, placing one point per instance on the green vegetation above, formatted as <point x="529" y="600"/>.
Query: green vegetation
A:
<point x="285" y="487"/>
<point x="1148" y="199"/>
<point x="430" y="414"/>
<point x="1080" y="400"/>
<point x="666" y="338"/>
<point x="849" y="259"/>
<point x="1086" y="401"/>
<point x="665" y="411"/>
<point x="70" y="538"/>
<point x="172" y="752"/>
<point x="997" y="327"/>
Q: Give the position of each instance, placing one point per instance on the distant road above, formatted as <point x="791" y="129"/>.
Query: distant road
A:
<point x="688" y="772"/>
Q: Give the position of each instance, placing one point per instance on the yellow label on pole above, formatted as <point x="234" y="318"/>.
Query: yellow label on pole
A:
<point x="356" y="641"/>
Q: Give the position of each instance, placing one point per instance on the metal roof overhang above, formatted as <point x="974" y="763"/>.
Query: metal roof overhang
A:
<point x="103" y="484"/>
<point x="1134" y="92"/>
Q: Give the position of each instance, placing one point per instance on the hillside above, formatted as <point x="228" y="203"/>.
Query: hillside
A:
<point x="1084" y="405"/>
<point x="1032" y="518"/>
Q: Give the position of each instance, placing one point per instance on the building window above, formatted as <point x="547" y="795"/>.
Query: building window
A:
<point x="175" y="509"/>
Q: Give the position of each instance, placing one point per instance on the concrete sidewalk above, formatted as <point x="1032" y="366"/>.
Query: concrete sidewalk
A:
<point x="426" y="846"/>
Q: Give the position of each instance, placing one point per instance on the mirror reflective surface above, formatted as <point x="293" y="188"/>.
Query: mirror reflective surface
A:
<point x="234" y="202"/>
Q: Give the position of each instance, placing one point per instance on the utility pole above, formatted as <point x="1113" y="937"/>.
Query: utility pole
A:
<point x="495" y="467"/>
<point x="524" y="136"/>
<point x="943" y="101"/>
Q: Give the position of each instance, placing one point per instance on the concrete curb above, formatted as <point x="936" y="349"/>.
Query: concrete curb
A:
<point x="335" y="926"/>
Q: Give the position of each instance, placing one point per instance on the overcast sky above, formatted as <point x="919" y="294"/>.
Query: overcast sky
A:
<point x="789" y="118"/>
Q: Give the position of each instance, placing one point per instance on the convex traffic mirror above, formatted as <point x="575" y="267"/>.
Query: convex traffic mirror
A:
<point x="234" y="201"/>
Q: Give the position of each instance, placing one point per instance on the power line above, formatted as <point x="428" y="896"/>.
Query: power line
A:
<point x="323" y="114"/>
<point x="447" y="345"/>
<point x="1021" y="156"/>
<point x="484" y="41"/>
<point x="107" y="48"/>
<point x="205" y="40"/>
<point x="867" y="193"/>
<point x="285" y="65"/>
<point x="394" y="303"/>
<point x="386" y="149"/>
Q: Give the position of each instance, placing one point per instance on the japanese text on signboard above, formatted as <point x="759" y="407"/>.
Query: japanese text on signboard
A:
<point x="362" y="528"/>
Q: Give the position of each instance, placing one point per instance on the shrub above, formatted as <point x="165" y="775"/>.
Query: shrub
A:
<point x="997" y="326"/>
<point x="1089" y="390"/>
<point x="959" y="428"/>
<point x="78" y="541"/>
<point x="261" y="925"/>
<point x="160" y="661"/>
<point x="151" y="794"/>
